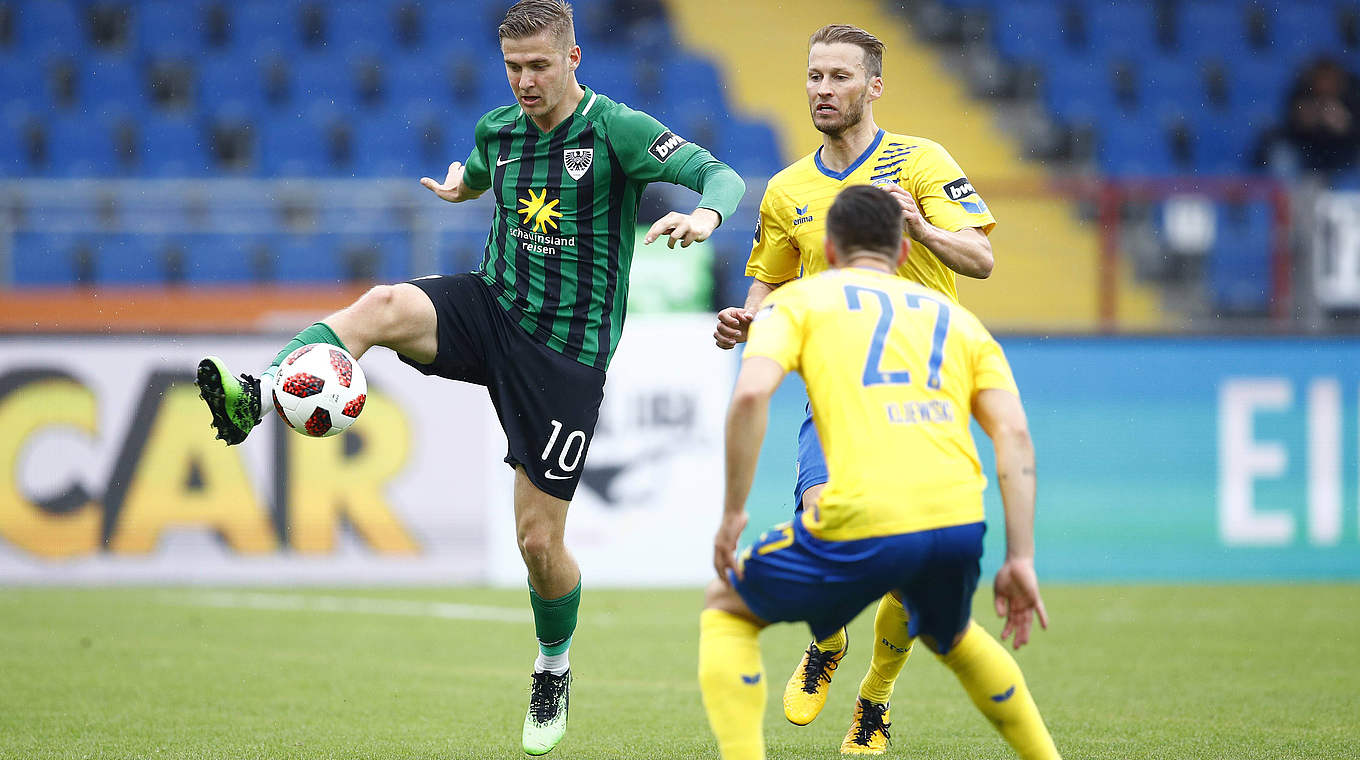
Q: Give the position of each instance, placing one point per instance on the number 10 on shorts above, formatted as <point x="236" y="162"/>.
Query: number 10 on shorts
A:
<point x="568" y="456"/>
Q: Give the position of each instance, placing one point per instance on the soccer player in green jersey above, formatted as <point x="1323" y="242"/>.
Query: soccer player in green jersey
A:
<point x="539" y="320"/>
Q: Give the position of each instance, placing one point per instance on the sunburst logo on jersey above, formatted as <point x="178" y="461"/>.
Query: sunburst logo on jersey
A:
<point x="539" y="211"/>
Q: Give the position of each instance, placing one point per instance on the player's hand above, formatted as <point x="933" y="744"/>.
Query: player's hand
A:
<point x="1017" y="598"/>
<point x="725" y="545"/>
<point x="912" y="220"/>
<point x="684" y="228"/>
<point x="453" y="190"/>
<point x="732" y="324"/>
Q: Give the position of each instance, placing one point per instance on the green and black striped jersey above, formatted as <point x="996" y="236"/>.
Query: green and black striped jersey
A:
<point x="561" y="241"/>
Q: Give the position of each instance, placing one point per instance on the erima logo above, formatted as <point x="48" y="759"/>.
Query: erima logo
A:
<point x="750" y="680"/>
<point x="539" y="212"/>
<point x="803" y="215"/>
<point x="800" y="210"/>
<point x="665" y="145"/>
<point x="1005" y="695"/>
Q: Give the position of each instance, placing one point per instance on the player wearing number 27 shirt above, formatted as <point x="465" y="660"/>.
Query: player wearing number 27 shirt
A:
<point x="946" y="222"/>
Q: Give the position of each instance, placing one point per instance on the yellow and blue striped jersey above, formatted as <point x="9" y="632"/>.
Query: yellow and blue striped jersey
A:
<point x="891" y="368"/>
<point x="792" y="226"/>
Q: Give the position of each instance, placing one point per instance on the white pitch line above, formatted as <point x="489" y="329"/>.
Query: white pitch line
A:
<point x="361" y="605"/>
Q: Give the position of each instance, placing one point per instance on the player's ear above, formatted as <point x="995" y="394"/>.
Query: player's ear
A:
<point x="875" y="88"/>
<point x="902" y="253"/>
<point x="833" y="256"/>
<point x="574" y="57"/>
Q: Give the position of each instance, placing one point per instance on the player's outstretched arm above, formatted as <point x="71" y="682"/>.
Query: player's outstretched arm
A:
<point x="747" y="417"/>
<point x="967" y="251"/>
<point x="734" y="320"/>
<point x="1016" y="588"/>
<point x="453" y="188"/>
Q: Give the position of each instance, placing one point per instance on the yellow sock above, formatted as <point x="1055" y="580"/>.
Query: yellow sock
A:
<point x="833" y="643"/>
<point x="892" y="647"/>
<point x="732" y="681"/>
<point x="994" y="681"/>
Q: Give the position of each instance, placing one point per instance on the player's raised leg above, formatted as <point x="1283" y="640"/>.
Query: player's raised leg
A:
<point x="731" y="676"/>
<point x="555" y="595"/>
<point x="400" y="317"/>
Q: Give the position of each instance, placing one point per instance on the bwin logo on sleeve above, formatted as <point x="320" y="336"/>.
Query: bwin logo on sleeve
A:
<point x="665" y="145"/>
<point x="961" y="188"/>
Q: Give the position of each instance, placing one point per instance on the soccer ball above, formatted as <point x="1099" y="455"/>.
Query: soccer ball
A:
<point x="319" y="390"/>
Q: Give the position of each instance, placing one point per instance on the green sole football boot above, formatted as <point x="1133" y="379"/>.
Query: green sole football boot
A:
<point x="546" y="722"/>
<point x="234" y="403"/>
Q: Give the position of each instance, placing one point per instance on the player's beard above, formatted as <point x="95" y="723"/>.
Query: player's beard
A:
<point x="850" y="118"/>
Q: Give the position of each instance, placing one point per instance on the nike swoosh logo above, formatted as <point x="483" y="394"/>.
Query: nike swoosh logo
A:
<point x="504" y="161"/>
<point x="554" y="476"/>
<point x="750" y="680"/>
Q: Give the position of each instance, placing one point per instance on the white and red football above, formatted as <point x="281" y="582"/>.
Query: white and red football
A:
<point x="319" y="390"/>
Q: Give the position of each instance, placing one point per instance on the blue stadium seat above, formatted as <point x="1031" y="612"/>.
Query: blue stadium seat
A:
<point x="46" y="259"/>
<point x="50" y="26"/>
<point x="264" y="25"/>
<point x="78" y="148"/>
<point x="387" y="145"/>
<point x="325" y="79"/>
<point x="304" y="258"/>
<point x="174" y="145"/>
<point x="112" y="83"/>
<point x="1171" y="85"/>
<point x="1240" y="276"/>
<point x="1123" y="29"/>
<point x="217" y="259"/>
<point x="291" y="146"/>
<point x="129" y="259"/>
<point x="169" y="29"/>
<point x="1028" y="30"/>
<point x="24" y="81"/>
<point x="1077" y="89"/>
<point x="362" y="21"/>
<point x="413" y="77"/>
<point x="1213" y="29"/>
<point x="1135" y="147"/>
<point x="752" y="148"/>
<point x="1304" y="29"/>
<point x="232" y="80"/>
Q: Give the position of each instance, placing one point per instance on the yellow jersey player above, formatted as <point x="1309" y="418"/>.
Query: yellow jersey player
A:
<point x="947" y="222"/>
<point x="894" y="372"/>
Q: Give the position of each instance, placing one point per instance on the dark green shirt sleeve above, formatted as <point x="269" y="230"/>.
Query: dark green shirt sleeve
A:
<point x="649" y="152"/>
<point x="476" y="170"/>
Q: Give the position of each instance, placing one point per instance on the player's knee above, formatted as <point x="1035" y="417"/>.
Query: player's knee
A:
<point x="536" y="540"/>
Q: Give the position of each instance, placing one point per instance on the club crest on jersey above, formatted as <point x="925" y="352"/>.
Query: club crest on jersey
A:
<point x="577" y="161"/>
<point x="665" y="145"/>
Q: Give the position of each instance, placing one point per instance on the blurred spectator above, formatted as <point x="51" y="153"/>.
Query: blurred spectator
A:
<point x="1321" y="129"/>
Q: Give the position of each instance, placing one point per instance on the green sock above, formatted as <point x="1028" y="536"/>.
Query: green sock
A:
<point x="555" y="619"/>
<point x="316" y="333"/>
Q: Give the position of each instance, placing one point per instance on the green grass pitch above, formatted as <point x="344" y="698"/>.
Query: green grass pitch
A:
<point x="1124" y="672"/>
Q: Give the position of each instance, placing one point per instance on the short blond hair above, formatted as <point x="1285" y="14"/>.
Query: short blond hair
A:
<point x="853" y="35"/>
<point x="529" y="17"/>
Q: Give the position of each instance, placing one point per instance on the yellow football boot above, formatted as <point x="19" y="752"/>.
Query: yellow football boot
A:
<point x="805" y="693"/>
<point x="868" y="734"/>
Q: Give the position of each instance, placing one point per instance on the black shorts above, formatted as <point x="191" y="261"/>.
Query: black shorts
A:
<point x="547" y="404"/>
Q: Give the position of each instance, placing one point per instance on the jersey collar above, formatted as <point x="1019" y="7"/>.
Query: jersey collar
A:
<point x="817" y="159"/>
